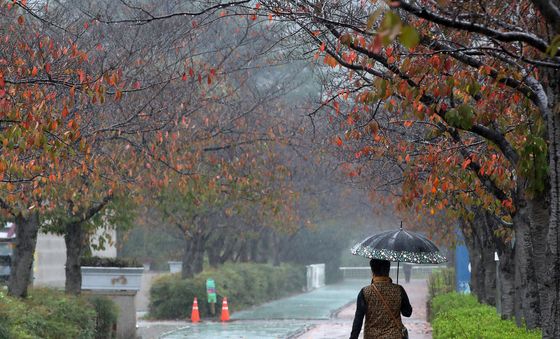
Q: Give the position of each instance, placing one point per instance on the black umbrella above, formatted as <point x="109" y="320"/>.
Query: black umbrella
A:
<point x="400" y="245"/>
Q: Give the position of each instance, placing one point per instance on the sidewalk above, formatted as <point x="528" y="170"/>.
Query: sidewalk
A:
<point x="341" y="326"/>
<point x="320" y="314"/>
<point x="317" y="304"/>
<point x="282" y="318"/>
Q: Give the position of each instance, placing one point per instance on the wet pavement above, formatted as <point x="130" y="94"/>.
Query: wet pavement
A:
<point x="321" y="303"/>
<point x="341" y="326"/>
<point x="241" y="329"/>
<point x="320" y="314"/>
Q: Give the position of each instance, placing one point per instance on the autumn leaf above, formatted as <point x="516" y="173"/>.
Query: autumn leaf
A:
<point x="338" y="141"/>
<point x="81" y="75"/>
<point x="329" y="60"/>
<point x="336" y="107"/>
<point x="409" y="37"/>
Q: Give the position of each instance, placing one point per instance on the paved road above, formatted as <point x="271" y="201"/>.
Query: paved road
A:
<point x="341" y="325"/>
<point x="323" y="313"/>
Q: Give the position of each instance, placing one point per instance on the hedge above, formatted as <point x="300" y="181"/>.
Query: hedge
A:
<point x="107" y="315"/>
<point x="50" y="314"/>
<point x="457" y="315"/>
<point x="244" y="284"/>
<point x="109" y="262"/>
<point x="440" y="282"/>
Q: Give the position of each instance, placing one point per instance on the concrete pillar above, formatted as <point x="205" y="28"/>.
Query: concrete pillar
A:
<point x="126" y="323"/>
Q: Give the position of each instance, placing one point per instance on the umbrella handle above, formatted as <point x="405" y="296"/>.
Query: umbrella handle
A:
<point x="398" y="265"/>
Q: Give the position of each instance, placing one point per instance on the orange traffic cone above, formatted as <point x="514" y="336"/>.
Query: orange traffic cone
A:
<point x="225" y="311"/>
<point x="195" y="317"/>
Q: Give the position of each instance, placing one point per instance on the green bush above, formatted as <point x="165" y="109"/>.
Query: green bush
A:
<point x="48" y="314"/>
<point x="462" y="316"/>
<point x="243" y="284"/>
<point x="440" y="282"/>
<point x="107" y="315"/>
<point x="109" y="262"/>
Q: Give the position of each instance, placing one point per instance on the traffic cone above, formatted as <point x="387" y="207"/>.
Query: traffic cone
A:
<point x="225" y="310"/>
<point x="195" y="316"/>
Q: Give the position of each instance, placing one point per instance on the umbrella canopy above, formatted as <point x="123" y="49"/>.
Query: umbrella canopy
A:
<point x="400" y="245"/>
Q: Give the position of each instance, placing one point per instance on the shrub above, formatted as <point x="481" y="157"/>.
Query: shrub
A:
<point x="462" y="316"/>
<point x="440" y="282"/>
<point x="109" y="262"/>
<point x="47" y="314"/>
<point x="107" y="315"/>
<point x="449" y="301"/>
<point x="244" y="285"/>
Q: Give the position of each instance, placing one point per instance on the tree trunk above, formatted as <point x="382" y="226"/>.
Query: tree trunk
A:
<point x="469" y="229"/>
<point x="244" y="252"/>
<point x="507" y="281"/>
<point x="74" y="238"/>
<point x="258" y="251"/>
<point x="489" y="245"/>
<point x="526" y="285"/>
<point x="275" y="245"/>
<point x="214" y="251"/>
<point x="229" y="250"/>
<point x="198" y="260"/>
<point x="481" y="243"/>
<point x="477" y="271"/>
<point x="489" y="277"/>
<point x="187" y="270"/>
<point x="22" y="258"/>
<point x="551" y="312"/>
<point x="539" y="226"/>
<point x="193" y="256"/>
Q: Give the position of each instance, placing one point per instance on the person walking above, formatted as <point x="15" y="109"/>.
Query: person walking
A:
<point x="407" y="268"/>
<point x="382" y="304"/>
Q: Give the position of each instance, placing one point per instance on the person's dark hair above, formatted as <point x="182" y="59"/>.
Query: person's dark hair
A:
<point x="380" y="268"/>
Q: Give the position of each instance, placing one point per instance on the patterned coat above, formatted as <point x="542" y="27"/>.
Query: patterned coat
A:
<point x="378" y="322"/>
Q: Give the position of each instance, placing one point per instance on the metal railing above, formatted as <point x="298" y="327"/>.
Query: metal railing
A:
<point x="417" y="272"/>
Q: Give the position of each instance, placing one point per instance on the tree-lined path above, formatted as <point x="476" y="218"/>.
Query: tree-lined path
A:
<point x="323" y="313"/>
<point x="222" y="132"/>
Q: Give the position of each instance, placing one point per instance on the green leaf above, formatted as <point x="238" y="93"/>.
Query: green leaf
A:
<point x="452" y="117"/>
<point x="473" y="88"/>
<point x="466" y="114"/>
<point x="462" y="117"/>
<point x="390" y="28"/>
<point x="409" y="37"/>
<point x="552" y="49"/>
<point x="373" y="18"/>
